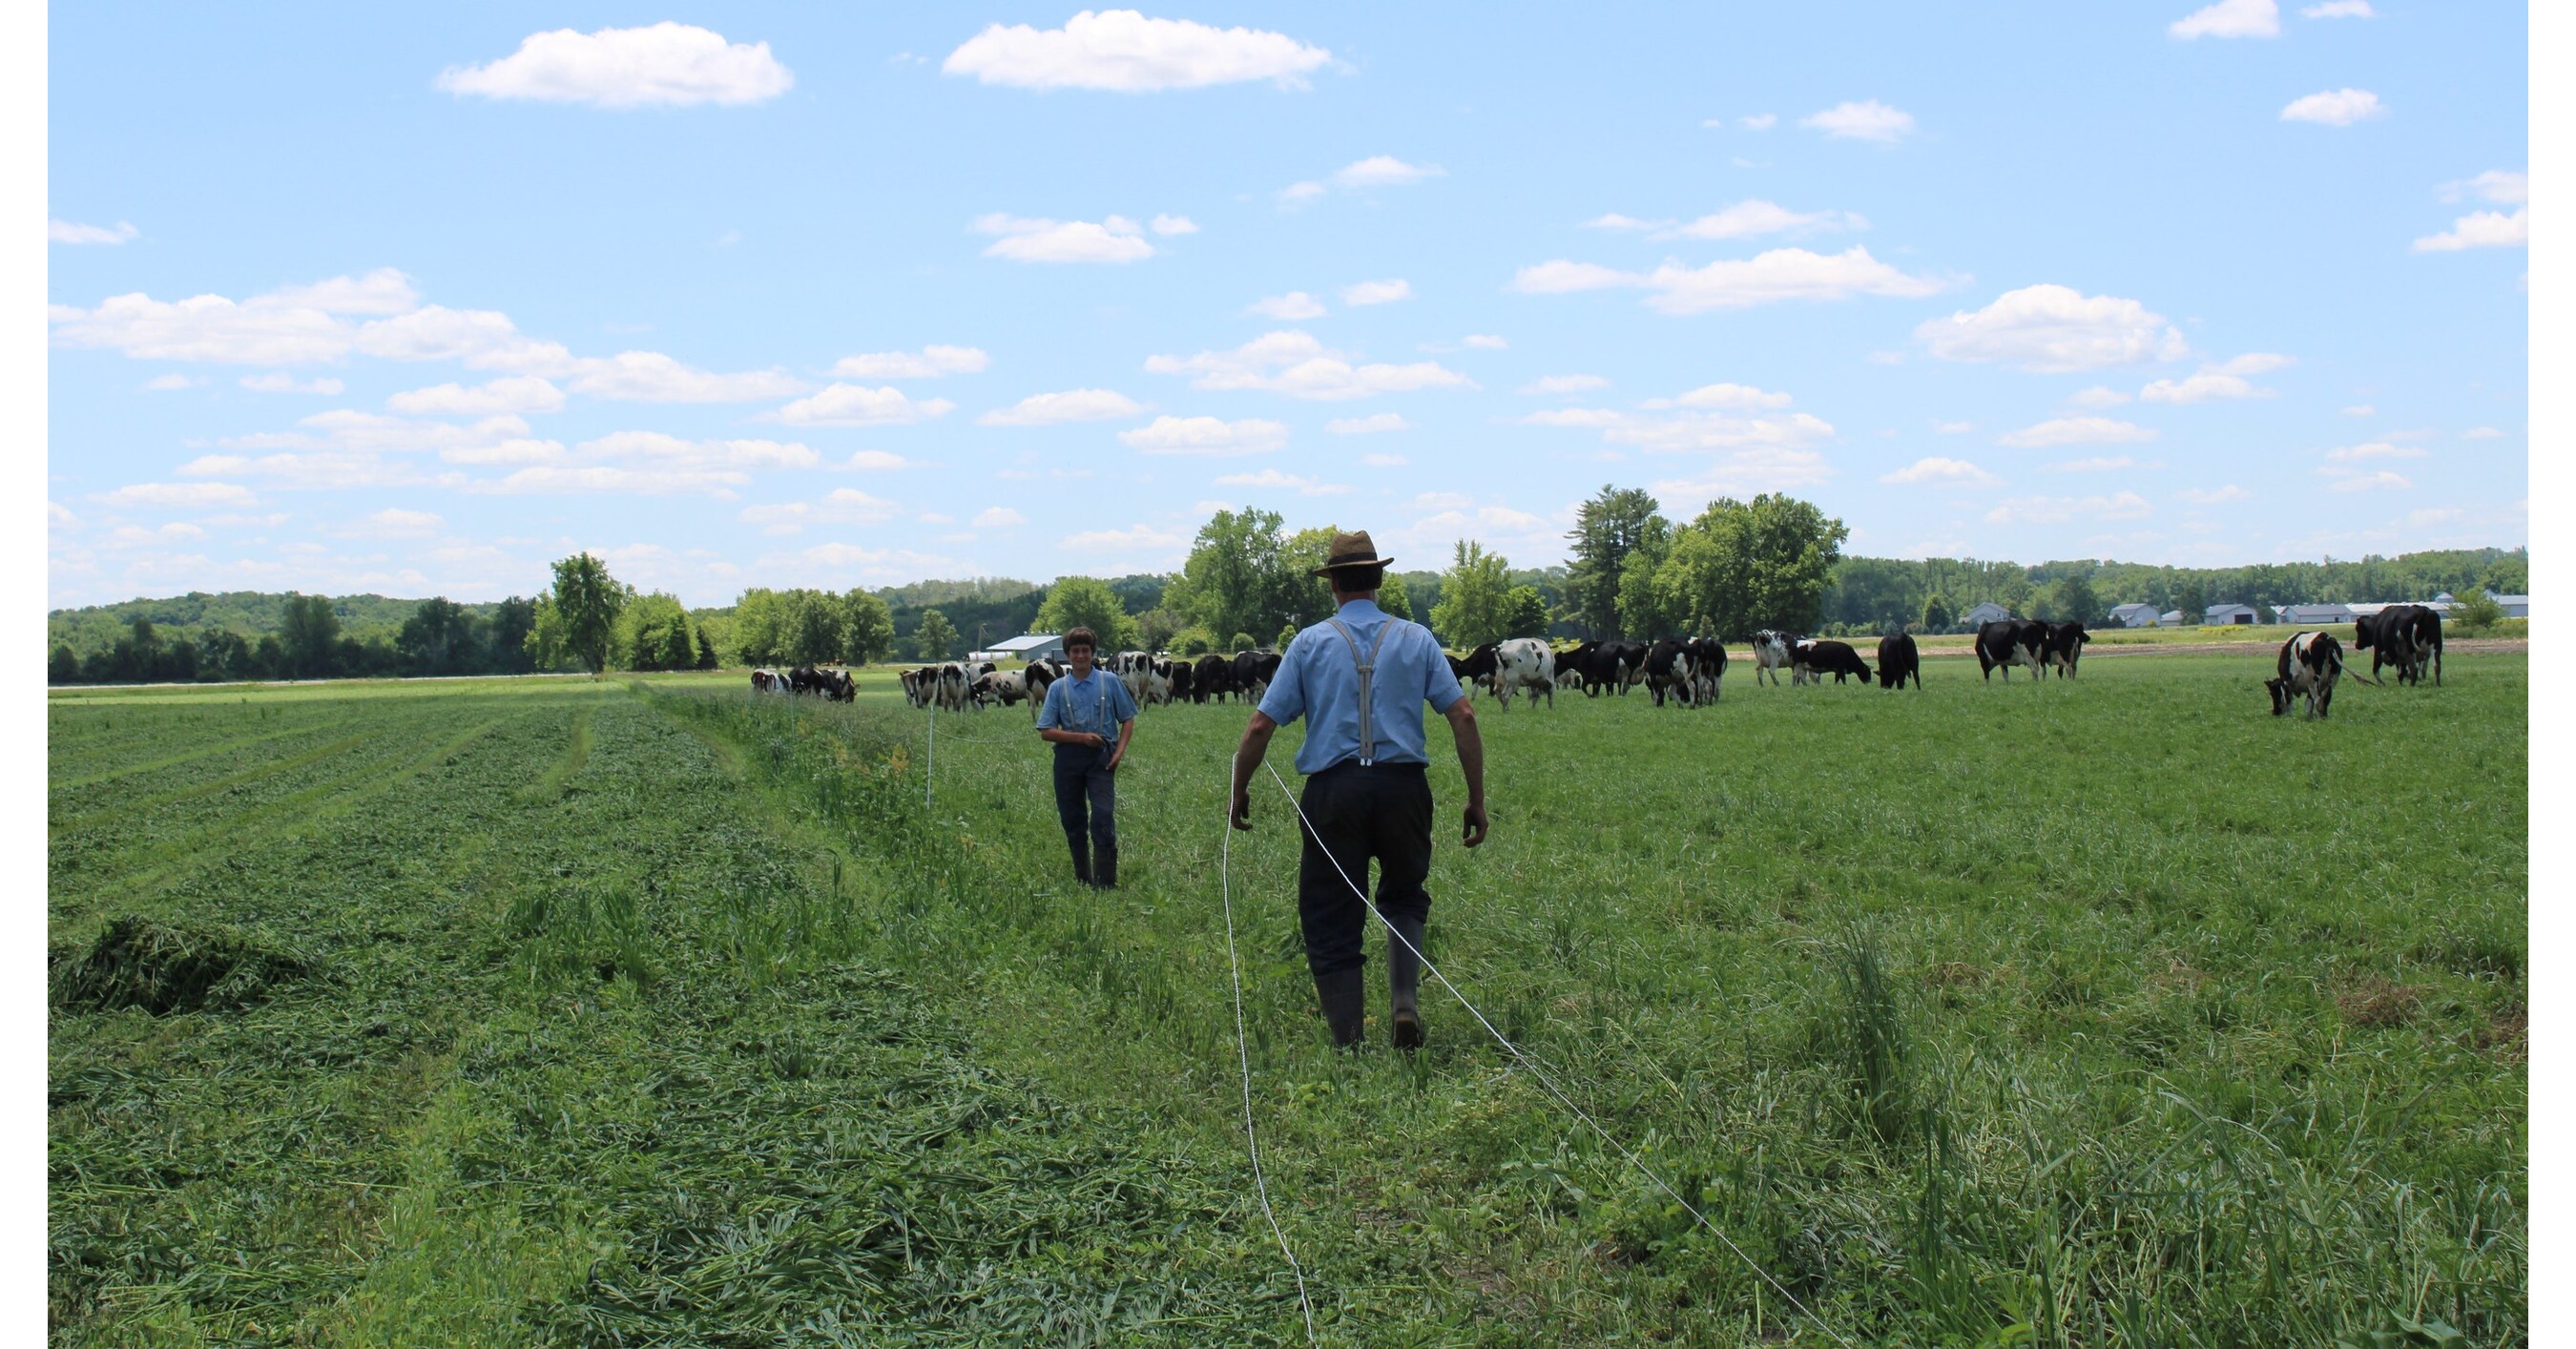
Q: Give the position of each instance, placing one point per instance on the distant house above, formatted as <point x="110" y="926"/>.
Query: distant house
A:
<point x="2170" y="618"/>
<point x="2229" y="615"/>
<point x="1027" y="647"/>
<point x="2134" y="616"/>
<point x="1987" y="612"/>
<point x="2310" y="614"/>
<point x="2515" y="606"/>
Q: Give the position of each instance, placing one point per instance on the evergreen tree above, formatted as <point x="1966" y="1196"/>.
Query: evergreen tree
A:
<point x="1936" y="613"/>
<point x="706" y="650"/>
<point x="1607" y="529"/>
<point x="678" y="652"/>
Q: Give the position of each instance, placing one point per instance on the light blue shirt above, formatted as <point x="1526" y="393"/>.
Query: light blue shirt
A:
<point x="1096" y="705"/>
<point x="1319" y="679"/>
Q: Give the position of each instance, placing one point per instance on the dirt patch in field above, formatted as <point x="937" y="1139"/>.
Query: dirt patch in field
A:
<point x="165" y="968"/>
<point x="2372" y="1001"/>
<point x="2507" y="1032"/>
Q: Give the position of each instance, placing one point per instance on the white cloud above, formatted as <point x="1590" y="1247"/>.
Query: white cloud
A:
<point x="2481" y="433"/>
<point x="2201" y="388"/>
<point x="1294" y="363"/>
<point x="483" y="339"/>
<point x="382" y="291"/>
<point x="284" y="383"/>
<point x="69" y="232"/>
<point x="2042" y="510"/>
<point x="1616" y="221"/>
<point x="508" y="394"/>
<point x="667" y="64"/>
<point x="997" y="517"/>
<point x="845" y="505"/>
<point x="1780" y="448"/>
<point x="1073" y="405"/>
<point x="657" y="448"/>
<point x="2503" y="186"/>
<point x="296" y="325"/>
<point x="928" y="363"/>
<point x="1736" y="396"/>
<point x="1377" y="292"/>
<point x="1122" y="51"/>
<point x="1557" y="384"/>
<point x="2048" y="328"/>
<point x="1484" y="342"/>
<point x="2480" y="229"/>
<point x="1384" y="460"/>
<point x="171" y="383"/>
<point x="2208" y="496"/>
<point x="606" y="479"/>
<point x="1288" y="308"/>
<point x="1205" y="435"/>
<point x="877" y="461"/>
<point x="1779" y="274"/>
<point x="322" y="470"/>
<point x="2366" y="482"/>
<point x="1382" y="171"/>
<point x="1136" y="541"/>
<point x="858" y="405"/>
<point x="651" y="377"/>
<point x="1743" y="220"/>
<point x="1943" y="473"/>
<point x="1117" y="239"/>
<point x="2098" y="464"/>
<point x="2340" y="9"/>
<point x="2230" y="18"/>
<point x="1298" y="194"/>
<point x="1867" y="121"/>
<point x="2097" y="397"/>
<point x="2337" y="107"/>
<point x="393" y="522"/>
<point x="1952" y="428"/>
<point x="1173" y="224"/>
<point x="2077" y="431"/>
<point x="1760" y="121"/>
<point x="1367" y="426"/>
<point x="181" y="495"/>
<point x="2361" y="410"/>
<point x="2377" y="449"/>
<point x="1271" y="479"/>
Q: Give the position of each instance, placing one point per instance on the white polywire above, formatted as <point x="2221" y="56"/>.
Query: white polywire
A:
<point x="1534" y="1070"/>
<point x="930" y="756"/>
<point x="1243" y="1055"/>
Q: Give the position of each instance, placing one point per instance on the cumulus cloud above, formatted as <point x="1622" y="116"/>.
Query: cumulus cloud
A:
<point x="858" y="405"/>
<point x="2208" y="384"/>
<point x="1146" y="541"/>
<point x="482" y="339"/>
<point x="651" y="377"/>
<point x="876" y="461"/>
<point x="2339" y="9"/>
<point x="1294" y="363"/>
<point x="2097" y="397"/>
<point x="508" y="394"/>
<point x="2335" y="107"/>
<point x="1377" y="292"/>
<point x="62" y="231"/>
<point x="2046" y="510"/>
<point x="1290" y="307"/>
<point x="285" y="383"/>
<point x="1117" y="239"/>
<point x="1743" y="220"/>
<point x="1173" y="224"/>
<point x="2347" y="480"/>
<point x="2481" y="433"/>
<point x="1384" y="460"/>
<point x="1383" y="171"/>
<point x="1483" y="342"/>
<point x="1271" y="479"/>
<point x="2230" y="18"/>
<point x="1557" y="384"/>
<point x="997" y="517"/>
<point x="843" y="506"/>
<point x="1205" y="435"/>
<point x="2497" y="185"/>
<point x="181" y="495"/>
<point x="2049" y="329"/>
<point x="1770" y="277"/>
<point x="1369" y="426"/>
<point x="930" y="362"/>
<point x="1073" y="405"/>
<point x="1741" y="397"/>
<point x="1939" y="472"/>
<point x="295" y="325"/>
<point x="667" y="64"/>
<point x="2213" y="496"/>
<point x="171" y="383"/>
<point x="394" y="522"/>
<point x="2377" y="449"/>
<point x="2077" y="431"/>
<point x="2103" y="463"/>
<point x="1865" y="121"/>
<point x="2480" y="229"/>
<point x="1122" y="51"/>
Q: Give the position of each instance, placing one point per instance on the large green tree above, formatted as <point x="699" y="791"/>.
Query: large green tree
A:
<point x="1475" y="597"/>
<point x="439" y="637"/>
<point x="1393" y="598"/>
<point x="1645" y="612"/>
<point x="1240" y="576"/>
<point x="867" y="628"/>
<point x="309" y="634"/>
<point x="576" y="620"/>
<point x="1607" y="530"/>
<point x="935" y="639"/>
<point x="1742" y="566"/>
<point x="1088" y="602"/>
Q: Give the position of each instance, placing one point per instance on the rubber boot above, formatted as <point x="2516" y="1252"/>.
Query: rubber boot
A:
<point x="1344" y="995"/>
<point x="1081" y="846"/>
<point x="1403" y="977"/>
<point x="1104" y="867"/>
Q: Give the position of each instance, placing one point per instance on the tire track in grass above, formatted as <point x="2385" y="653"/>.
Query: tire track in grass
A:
<point x="576" y="753"/>
<point x="225" y="783"/>
<point x="69" y="785"/>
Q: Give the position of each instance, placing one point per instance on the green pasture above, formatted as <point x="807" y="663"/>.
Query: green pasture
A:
<point x="2101" y="1011"/>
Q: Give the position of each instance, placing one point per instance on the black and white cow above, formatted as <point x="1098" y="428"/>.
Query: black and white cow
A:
<point x="2008" y="642"/>
<point x="2408" y="636"/>
<point x="1813" y="658"/>
<point x="1524" y="663"/>
<point x="1708" y="666"/>
<point x="2310" y="664"/>
<point x="1668" y="671"/>
<point x="2063" y="647"/>
<point x="1253" y="671"/>
<point x="1212" y="678"/>
<point x="1037" y="676"/>
<point x="1771" y="654"/>
<point x="1476" y="669"/>
<point x="1898" y="661"/>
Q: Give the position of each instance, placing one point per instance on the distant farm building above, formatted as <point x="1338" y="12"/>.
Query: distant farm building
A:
<point x="2229" y="615"/>
<point x="1987" y="612"/>
<point x="2515" y="606"/>
<point x="1027" y="647"/>
<point x="2170" y="618"/>
<point x="2134" y="616"/>
<point x="2305" y="614"/>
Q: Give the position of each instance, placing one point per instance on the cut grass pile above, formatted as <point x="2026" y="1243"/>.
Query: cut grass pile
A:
<point x="2105" y="1012"/>
<point x="166" y="967"/>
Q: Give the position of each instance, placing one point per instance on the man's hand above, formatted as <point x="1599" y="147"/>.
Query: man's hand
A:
<point x="1093" y="739"/>
<point x="1476" y="823"/>
<point x="1242" y="812"/>
<point x="1115" y="756"/>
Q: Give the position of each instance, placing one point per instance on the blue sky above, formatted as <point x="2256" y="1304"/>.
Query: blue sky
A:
<point x="356" y="298"/>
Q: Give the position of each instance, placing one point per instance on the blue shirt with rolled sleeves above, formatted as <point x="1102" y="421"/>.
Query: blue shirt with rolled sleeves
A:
<point x="1097" y="705"/>
<point x="1319" y="679"/>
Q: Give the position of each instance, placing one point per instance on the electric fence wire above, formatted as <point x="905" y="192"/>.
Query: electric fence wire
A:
<point x="1531" y="1065"/>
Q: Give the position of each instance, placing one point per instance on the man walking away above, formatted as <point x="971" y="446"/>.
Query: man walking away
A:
<point x="1084" y="710"/>
<point x="1360" y="679"/>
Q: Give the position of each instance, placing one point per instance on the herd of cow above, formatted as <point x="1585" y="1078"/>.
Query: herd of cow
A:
<point x="1684" y="671"/>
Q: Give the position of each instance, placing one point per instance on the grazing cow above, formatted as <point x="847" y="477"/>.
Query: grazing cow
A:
<point x="2063" y="647"/>
<point x="2408" y="636"/>
<point x="1253" y="671"/>
<point x="1213" y="678"/>
<point x="1569" y="663"/>
<point x="2009" y="642"/>
<point x="1811" y="660"/>
<point x="2310" y="664"/>
<point x="1668" y="671"/>
<point x="1708" y="665"/>
<point x="1771" y="652"/>
<point x="1599" y="665"/>
<point x="1524" y="663"/>
<point x="1183" y="679"/>
<point x="1037" y="676"/>
<point x="766" y="680"/>
<point x="1477" y="669"/>
<point x="1010" y="688"/>
<point x="1898" y="661"/>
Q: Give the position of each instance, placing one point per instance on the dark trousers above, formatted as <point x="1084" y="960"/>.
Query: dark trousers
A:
<point x="1380" y="811"/>
<point x="1086" y="801"/>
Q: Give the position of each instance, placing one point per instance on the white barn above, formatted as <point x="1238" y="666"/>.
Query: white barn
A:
<point x="1986" y="612"/>
<point x="2229" y="615"/>
<point x="1026" y="647"/>
<point x="2134" y="616"/>
<point x="2307" y="614"/>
